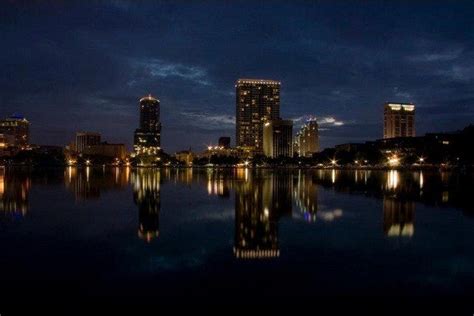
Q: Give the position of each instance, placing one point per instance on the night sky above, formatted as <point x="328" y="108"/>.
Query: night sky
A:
<point x="71" y="66"/>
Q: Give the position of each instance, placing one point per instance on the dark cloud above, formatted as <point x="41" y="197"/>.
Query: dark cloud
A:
<point x="78" y="65"/>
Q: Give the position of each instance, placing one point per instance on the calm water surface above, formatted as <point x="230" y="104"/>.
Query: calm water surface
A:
<point x="235" y="234"/>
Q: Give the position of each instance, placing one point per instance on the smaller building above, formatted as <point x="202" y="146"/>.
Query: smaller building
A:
<point x="185" y="156"/>
<point x="18" y="127"/>
<point x="7" y="147"/>
<point x="307" y="139"/>
<point x="85" y="140"/>
<point x="277" y="138"/>
<point x="224" y="142"/>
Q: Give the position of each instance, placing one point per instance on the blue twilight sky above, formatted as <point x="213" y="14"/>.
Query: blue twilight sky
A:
<point x="70" y="66"/>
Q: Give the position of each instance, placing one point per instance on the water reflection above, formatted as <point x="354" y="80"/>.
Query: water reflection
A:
<point x="88" y="183"/>
<point x="398" y="217"/>
<point x="14" y="191"/>
<point x="259" y="204"/>
<point x="262" y="197"/>
<point x="306" y="195"/>
<point x="146" y="195"/>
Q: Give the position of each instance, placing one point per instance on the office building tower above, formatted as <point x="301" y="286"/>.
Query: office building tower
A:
<point x="224" y="142"/>
<point x="257" y="101"/>
<point x="86" y="139"/>
<point x="277" y="138"/>
<point x="399" y="120"/>
<point x="148" y="135"/>
<point x="307" y="139"/>
<point x="19" y="128"/>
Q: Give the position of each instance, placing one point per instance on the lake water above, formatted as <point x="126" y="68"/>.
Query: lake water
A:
<point x="236" y="235"/>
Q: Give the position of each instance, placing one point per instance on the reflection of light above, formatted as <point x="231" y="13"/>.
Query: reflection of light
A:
<point x="209" y="186"/>
<point x="392" y="180"/>
<point x="394" y="161"/>
<point x="445" y="197"/>
<point x="406" y="230"/>
<point x="2" y="184"/>
<point x="421" y="180"/>
<point x="88" y="171"/>
<point x="333" y="176"/>
<point x="266" y="212"/>
<point x="329" y="216"/>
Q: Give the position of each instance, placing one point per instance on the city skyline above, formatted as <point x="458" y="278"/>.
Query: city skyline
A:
<point x="95" y="60"/>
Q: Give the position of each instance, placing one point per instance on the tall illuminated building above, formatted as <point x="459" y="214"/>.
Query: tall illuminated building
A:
<point x="19" y="128"/>
<point x="278" y="138"/>
<point x="257" y="101"/>
<point x="399" y="120"/>
<point x="307" y="139"/>
<point x="86" y="139"/>
<point x="147" y="138"/>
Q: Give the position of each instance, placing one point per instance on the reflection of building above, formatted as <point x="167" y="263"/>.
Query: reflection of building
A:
<point x="256" y="102"/>
<point x="86" y="139"/>
<point x="307" y="139"/>
<point x="14" y="190"/>
<point x="87" y="183"/>
<point x="259" y="203"/>
<point x="399" y="120"/>
<point x="306" y="196"/>
<point x="146" y="195"/>
<point x="398" y="217"/>
<point x="148" y="135"/>
<point x="277" y="138"/>
<point x="218" y="185"/>
<point x="19" y="128"/>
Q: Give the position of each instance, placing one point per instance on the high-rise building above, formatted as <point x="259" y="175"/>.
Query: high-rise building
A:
<point x="224" y="142"/>
<point x="86" y="139"/>
<point x="257" y="101"/>
<point x="307" y="139"/>
<point x="399" y="120"/>
<point x="277" y="138"/>
<point x="148" y="135"/>
<point x="19" y="128"/>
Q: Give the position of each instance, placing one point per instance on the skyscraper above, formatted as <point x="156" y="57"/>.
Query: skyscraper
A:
<point x="399" y="120"/>
<point x="86" y="139"/>
<point x="307" y="139"/>
<point x="148" y="135"/>
<point x="19" y="128"/>
<point x="277" y="138"/>
<point x="257" y="101"/>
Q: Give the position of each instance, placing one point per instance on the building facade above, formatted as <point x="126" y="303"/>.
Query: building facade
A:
<point x="86" y="139"/>
<point x="257" y="101"/>
<point x="19" y="128"/>
<point x="147" y="138"/>
<point x="277" y="138"/>
<point x="307" y="139"/>
<point x="399" y="120"/>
